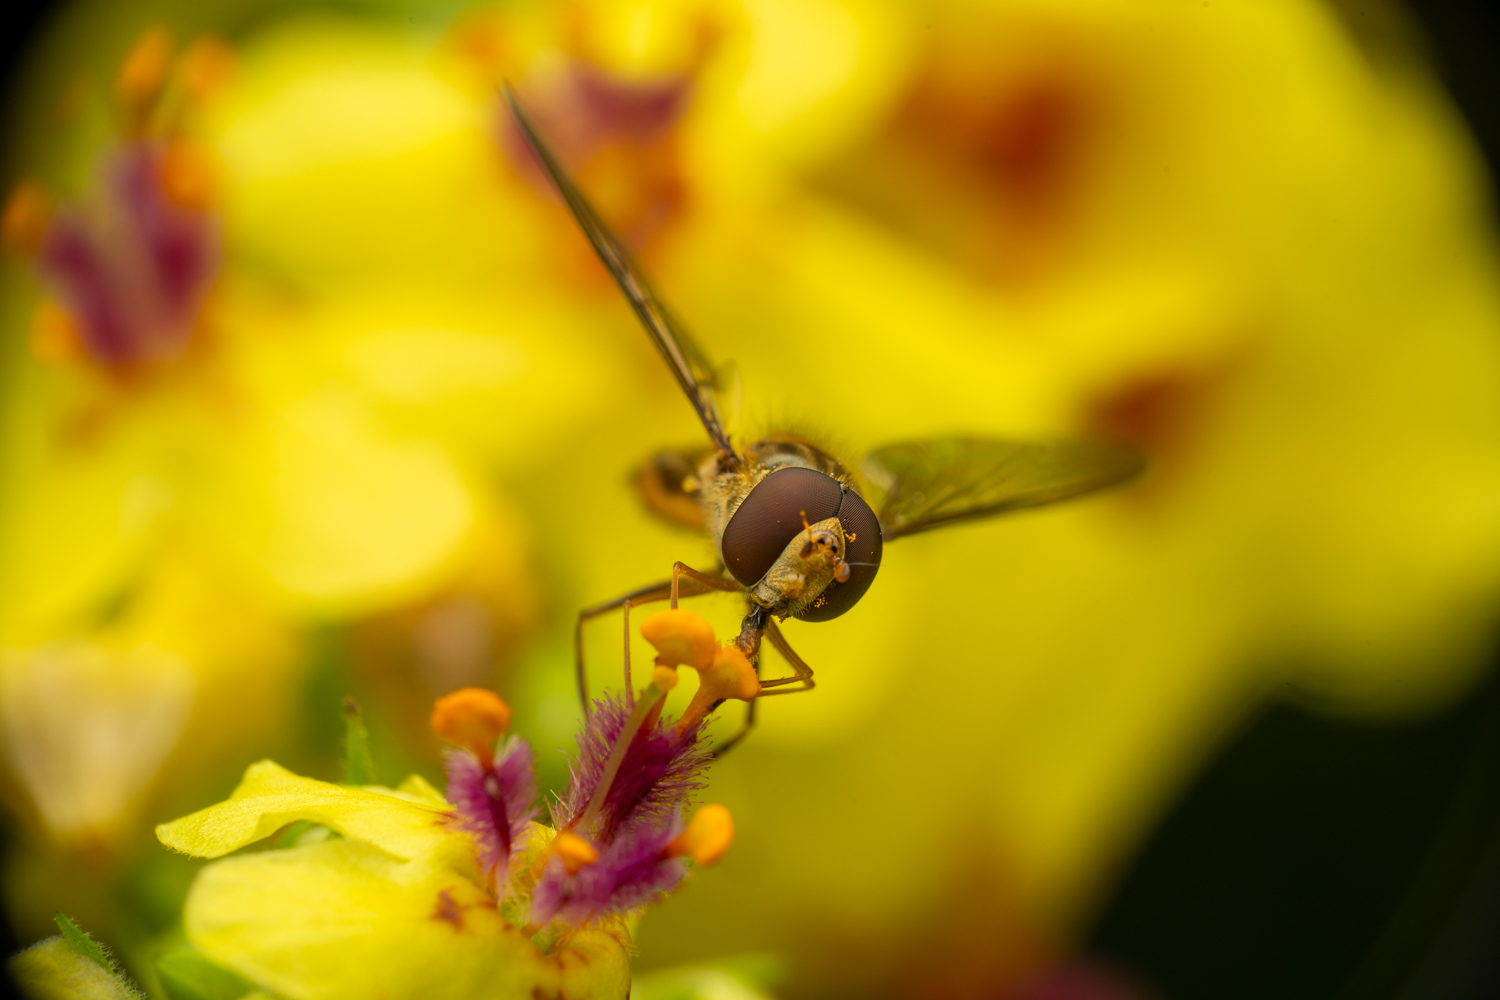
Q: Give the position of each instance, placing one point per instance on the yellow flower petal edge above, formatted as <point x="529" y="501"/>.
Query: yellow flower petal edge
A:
<point x="270" y="796"/>
<point x="366" y="924"/>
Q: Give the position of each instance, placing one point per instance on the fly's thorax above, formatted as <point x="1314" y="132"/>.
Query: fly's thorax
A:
<point x="804" y="569"/>
<point x="725" y="487"/>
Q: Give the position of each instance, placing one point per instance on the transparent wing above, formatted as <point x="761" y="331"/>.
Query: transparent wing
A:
<point x="931" y="483"/>
<point x="688" y="363"/>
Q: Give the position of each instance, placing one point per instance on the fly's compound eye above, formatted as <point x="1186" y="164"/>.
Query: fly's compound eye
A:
<point x="771" y="516"/>
<point x="862" y="550"/>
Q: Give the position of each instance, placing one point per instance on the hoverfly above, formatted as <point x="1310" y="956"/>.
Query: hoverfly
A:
<point x="794" y="531"/>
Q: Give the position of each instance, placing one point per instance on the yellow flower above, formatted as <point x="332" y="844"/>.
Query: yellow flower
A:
<point x="171" y="391"/>
<point x="397" y="892"/>
<point x="394" y="906"/>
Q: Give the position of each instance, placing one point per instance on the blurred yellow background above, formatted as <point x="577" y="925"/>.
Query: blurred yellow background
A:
<point x="345" y="405"/>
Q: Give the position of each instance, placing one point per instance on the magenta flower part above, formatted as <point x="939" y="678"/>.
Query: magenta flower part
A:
<point x="659" y="772"/>
<point x="630" y="872"/>
<point x="493" y="805"/>
<point x="132" y="268"/>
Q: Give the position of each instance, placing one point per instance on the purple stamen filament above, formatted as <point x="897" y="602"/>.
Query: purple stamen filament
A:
<point x="647" y="708"/>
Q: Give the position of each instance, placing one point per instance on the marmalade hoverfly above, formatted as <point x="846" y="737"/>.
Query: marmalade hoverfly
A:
<point x="794" y="531"/>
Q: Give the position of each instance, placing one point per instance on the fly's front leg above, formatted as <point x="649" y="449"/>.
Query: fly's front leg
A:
<point x="802" y="674"/>
<point x="707" y="580"/>
<point x="759" y="623"/>
<point x="660" y="590"/>
<point x="749" y="724"/>
<point x="696" y="584"/>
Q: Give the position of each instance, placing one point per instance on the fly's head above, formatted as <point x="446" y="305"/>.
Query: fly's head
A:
<point x="803" y="543"/>
<point x="809" y="563"/>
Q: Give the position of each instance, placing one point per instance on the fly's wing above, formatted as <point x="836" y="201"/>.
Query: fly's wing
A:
<point x="687" y="362"/>
<point x="931" y="483"/>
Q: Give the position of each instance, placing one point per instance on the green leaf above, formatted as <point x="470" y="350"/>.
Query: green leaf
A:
<point x="187" y="974"/>
<point x="82" y="943"/>
<point x="359" y="766"/>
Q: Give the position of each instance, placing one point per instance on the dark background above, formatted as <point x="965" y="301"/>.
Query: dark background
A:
<point x="1311" y="858"/>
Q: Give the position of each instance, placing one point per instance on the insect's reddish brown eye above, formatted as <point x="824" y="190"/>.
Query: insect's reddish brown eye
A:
<point x="862" y="550"/>
<point x="771" y="516"/>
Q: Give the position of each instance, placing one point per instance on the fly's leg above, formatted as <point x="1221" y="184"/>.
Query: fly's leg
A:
<point x="801" y="674"/>
<point x="725" y="747"/>
<point x="697" y="583"/>
<point x="655" y="591"/>
<point x="707" y="580"/>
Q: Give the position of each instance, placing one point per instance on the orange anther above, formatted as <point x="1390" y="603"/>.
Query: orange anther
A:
<point x="574" y="851"/>
<point x="730" y="676"/>
<point x="681" y="638"/>
<point x="28" y="210"/>
<point x="54" y="338"/>
<point x="707" y="837"/>
<point x="144" y="71"/>
<point x="187" y="176"/>
<point x="473" y="718"/>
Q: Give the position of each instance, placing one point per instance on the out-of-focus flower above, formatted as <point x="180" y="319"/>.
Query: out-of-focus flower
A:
<point x="423" y="898"/>
<point x="171" y="392"/>
<point x="183" y="669"/>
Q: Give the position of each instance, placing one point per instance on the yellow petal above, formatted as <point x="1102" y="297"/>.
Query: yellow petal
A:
<point x="341" y="919"/>
<point x="419" y="789"/>
<point x="340" y="513"/>
<point x="270" y="796"/>
<point x="86" y="726"/>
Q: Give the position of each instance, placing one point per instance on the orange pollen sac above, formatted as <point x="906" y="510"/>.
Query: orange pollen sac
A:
<point x="730" y="676"/>
<point x="472" y="718"/>
<point x="707" y="837"/>
<point x="681" y="638"/>
<point x="28" y="210"/>
<point x="54" y="338"/>
<point x="187" y="177"/>
<point x="144" y="71"/>
<point x="574" y="851"/>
